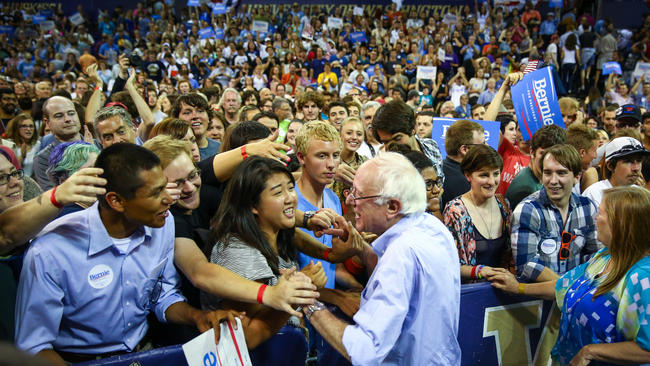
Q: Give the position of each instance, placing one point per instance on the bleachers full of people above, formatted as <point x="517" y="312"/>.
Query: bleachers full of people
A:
<point x="164" y="168"/>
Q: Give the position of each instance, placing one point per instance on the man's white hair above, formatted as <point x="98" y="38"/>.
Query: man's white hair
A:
<point x="398" y="178"/>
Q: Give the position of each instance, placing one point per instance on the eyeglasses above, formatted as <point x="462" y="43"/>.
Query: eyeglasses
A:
<point x="355" y="198"/>
<point x="18" y="174"/>
<point x="430" y="183"/>
<point x="194" y="174"/>
<point x="567" y="238"/>
<point x="628" y="124"/>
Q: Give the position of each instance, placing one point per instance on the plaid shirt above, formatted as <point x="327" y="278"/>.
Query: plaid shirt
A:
<point x="432" y="151"/>
<point x="537" y="230"/>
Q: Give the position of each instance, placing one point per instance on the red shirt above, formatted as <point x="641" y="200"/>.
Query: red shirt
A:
<point x="513" y="162"/>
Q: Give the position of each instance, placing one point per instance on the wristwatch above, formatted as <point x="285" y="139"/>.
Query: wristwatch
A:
<point x="308" y="215"/>
<point x="317" y="306"/>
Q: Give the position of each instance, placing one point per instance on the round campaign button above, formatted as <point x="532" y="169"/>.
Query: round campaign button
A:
<point x="100" y="276"/>
<point x="549" y="246"/>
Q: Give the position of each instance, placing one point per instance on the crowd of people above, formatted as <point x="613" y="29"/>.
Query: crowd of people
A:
<point x="151" y="167"/>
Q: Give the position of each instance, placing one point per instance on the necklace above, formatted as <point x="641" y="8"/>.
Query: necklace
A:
<point x="488" y="227"/>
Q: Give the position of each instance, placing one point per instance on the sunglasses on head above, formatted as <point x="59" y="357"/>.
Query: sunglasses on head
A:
<point x="565" y="251"/>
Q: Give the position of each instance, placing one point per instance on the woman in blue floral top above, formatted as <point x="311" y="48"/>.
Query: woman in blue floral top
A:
<point x="605" y="302"/>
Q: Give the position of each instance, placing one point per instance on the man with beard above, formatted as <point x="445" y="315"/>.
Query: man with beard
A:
<point x="230" y="102"/>
<point x="8" y="106"/>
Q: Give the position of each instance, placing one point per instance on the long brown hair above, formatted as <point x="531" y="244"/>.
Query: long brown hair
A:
<point x="13" y="130"/>
<point x="628" y="214"/>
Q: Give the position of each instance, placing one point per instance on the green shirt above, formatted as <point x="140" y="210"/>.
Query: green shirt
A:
<point x="524" y="183"/>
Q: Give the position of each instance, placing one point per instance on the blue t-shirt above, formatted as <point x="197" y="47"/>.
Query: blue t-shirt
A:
<point x="211" y="149"/>
<point x="330" y="200"/>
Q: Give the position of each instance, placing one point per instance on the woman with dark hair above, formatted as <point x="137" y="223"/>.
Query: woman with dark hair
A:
<point x="22" y="131"/>
<point x="253" y="234"/>
<point x="179" y="129"/>
<point x="570" y="55"/>
<point x="479" y="220"/>
<point x="242" y="134"/>
<point x="431" y="181"/>
<point x="603" y="302"/>
<point x="513" y="149"/>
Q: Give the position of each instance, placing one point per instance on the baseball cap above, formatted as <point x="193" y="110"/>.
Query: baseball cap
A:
<point x="628" y="112"/>
<point x="624" y="146"/>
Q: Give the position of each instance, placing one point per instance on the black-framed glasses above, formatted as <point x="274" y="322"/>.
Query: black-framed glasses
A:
<point x="18" y="174"/>
<point x="430" y="183"/>
<point x="190" y="178"/>
<point x="355" y="198"/>
<point x="565" y="251"/>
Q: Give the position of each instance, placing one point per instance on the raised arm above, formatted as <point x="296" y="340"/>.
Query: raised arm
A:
<point x="20" y="223"/>
<point x="493" y="108"/>
<point x="141" y="105"/>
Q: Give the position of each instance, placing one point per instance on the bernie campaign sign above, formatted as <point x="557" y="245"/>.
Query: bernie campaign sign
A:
<point x="440" y="126"/>
<point x="535" y="102"/>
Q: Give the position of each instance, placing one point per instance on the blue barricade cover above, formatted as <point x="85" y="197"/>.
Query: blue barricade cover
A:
<point x="495" y="328"/>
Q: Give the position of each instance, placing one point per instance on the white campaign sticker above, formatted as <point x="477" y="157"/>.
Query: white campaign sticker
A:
<point x="549" y="246"/>
<point x="100" y="276"/>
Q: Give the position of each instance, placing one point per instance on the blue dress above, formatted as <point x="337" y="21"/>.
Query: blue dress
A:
<point x="616" y="316"/>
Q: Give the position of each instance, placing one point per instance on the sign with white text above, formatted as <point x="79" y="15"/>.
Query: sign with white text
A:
<point x="440" y="126"/>
<point x="536" y="102"/>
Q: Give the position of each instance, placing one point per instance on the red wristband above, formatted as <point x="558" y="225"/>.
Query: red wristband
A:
<point x="242" y="149"/>
<point x="326" y="255"/>
<point x="260" y="294"/>
<point x="53" y="198"/>
<point x="98" y="88"/>
<point x="473" y="274"/>
<point x="352" y="267"/>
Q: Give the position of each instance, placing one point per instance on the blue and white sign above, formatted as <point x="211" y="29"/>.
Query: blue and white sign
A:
<point x="260" y="26"/>
<point x="219" y="9"/>
<point x="440" y="126"/>
<point x="193" y="3"/>
<point x="37" y="19"/>
<point x="206" y="32"/>
<point x="535" y="102"/>
<point x="612" y="67"/>
<point x="76" y="18"/>
<point x="358" y="37"/>
<point x="6" y="29"/>
<point x="219" y="34"/>
<point x="555" y="3"/>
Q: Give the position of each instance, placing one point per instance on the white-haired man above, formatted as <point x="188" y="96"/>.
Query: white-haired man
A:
<point x="410" y="276"/>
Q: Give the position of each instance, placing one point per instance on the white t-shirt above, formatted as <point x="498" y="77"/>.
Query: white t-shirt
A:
<point x="595" y="191"/>
<point x="455" y="91"/>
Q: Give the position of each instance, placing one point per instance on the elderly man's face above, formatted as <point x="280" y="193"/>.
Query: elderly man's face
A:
<point x="368" y="215"/>
<point x="113" y="130"/>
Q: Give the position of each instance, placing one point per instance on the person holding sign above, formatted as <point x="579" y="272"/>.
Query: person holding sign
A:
<point x="479" y="220"/>
<point x="603" y="301"/>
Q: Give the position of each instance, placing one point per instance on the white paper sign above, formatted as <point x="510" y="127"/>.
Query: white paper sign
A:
<point x="450" y="19"/>
<point x="426" y="72"/>
<point x="358" y="11"/>
<point x="76" y="18"/>
<point x="641" y="69"/>
<point x="333" y="22"/>
<point x="260" y="26"/>
<point x="441" y="55"/>
<point x="47" y="25"/>
<point x="231" y="350"/>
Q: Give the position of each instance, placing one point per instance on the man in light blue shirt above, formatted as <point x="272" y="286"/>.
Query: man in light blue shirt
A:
<point x="410" y="307"/>
<point x="91" y="277"/>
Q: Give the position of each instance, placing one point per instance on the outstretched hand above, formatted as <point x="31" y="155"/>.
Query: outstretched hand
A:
<point x="268" y="148"/>
<point x="293" y="288"/>
<point x="82" y="187"/>
<point x="212" y="319"/>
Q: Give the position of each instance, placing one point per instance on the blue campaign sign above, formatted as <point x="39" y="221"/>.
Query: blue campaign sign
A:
<point x="219" y="9"/>
<point x="358" y="37"/>
<point x="535" y="102"/>
<point x="6" y="29"/>
<point x="47" y="13"/>
<point x="440" y="126"/>
<point x="612" y="67"/>
<point x="37" y="19"/>
<point x="193" y="3"/>
<point x="206" y="32"/>
<point x="219" y="34"/>
<point x="555" y="3"/>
